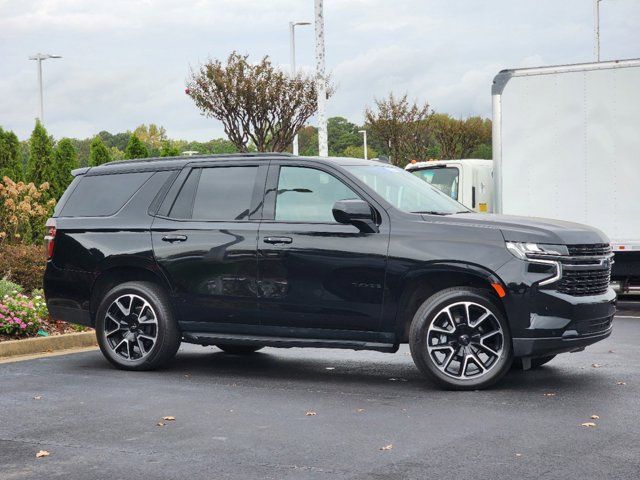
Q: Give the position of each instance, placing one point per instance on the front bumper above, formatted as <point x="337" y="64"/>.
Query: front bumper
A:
<point x="544" y="321"/>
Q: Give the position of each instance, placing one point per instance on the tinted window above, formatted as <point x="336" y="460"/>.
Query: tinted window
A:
<point x="222" y="193"/>
<point x="103" y="195"/>
<point x="308" y="195"/>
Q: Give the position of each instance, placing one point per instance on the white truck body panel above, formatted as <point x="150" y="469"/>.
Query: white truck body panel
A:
<point x="566" y="145"/>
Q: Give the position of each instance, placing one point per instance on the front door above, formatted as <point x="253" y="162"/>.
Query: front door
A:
<point x="205" y="243"/>
<point x="312" y="271"/>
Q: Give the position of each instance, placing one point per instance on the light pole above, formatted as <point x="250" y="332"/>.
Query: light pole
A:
<point x="321" y="84"/>
<point x="292" y="37"/>
<point x="39" y="57"/>
<point x="364" y="133"/>
<point x="596" y="11"/>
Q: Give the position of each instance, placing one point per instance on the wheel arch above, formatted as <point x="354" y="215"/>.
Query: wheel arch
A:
<point x="116" y="274"/>
<point x="420" y="284"/>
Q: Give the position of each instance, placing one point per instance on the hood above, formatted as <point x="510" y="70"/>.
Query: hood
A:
<point x="532" y="229"/>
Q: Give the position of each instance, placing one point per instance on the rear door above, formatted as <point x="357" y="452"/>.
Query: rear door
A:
<point x="205" y="242"/>
<point x="315" y="273"/>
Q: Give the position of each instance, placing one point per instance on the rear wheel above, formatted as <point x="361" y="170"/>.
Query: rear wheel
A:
<point x="239" y="349"/>
<point x="460" y="339"/>
<point x="135" y="327"/>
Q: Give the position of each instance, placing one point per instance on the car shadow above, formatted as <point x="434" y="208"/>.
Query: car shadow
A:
<point x="347" y="371"/>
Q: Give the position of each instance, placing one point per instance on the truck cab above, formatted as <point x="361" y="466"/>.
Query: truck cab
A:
<point x="469" y="181"/>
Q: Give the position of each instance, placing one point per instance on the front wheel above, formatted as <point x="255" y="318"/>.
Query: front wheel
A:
<point x="460" y="339"/>
<point x="135" y="327"/>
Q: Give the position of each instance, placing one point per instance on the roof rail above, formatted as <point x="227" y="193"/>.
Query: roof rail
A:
<point x="197" y="157"/>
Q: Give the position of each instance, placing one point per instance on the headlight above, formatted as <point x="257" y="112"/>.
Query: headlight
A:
<point x="540" y="253"/>
<point x="526" y="251"/>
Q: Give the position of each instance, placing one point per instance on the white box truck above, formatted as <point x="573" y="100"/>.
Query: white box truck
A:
<point x="566" y="145"/>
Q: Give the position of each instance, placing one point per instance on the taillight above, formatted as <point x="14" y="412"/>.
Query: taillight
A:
<point x="50" y="237"/>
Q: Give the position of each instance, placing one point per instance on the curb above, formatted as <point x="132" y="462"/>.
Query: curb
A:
<point x="30" y="346"/>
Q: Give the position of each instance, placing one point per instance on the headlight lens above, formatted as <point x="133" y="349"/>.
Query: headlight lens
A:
<point x="525" y="251"/>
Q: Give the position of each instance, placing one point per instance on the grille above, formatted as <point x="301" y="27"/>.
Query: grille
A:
<point x="584" y="282"/>
<point x="585" y="327"/>
<point x="596" y="249"/>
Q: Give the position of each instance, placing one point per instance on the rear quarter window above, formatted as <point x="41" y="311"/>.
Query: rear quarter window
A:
<point x="103" y="195"/>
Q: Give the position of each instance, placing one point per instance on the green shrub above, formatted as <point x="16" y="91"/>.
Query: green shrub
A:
<point x="7" y="287"/>
<point x="23" y="264"/>
<point x="20" y="315"/>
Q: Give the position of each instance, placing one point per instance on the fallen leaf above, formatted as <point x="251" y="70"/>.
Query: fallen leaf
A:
<point x="549" y="394"/>
<point x="612" y="351"/>
<point x="595" y="417"/>
<point x="38" y="397"/>
<point x="42" y="453"/>
<point x="311" y="413"/>
<point x="160" y="424"/>
<point x="187" y="376"/>
<point x="360" y="410"/>
<point x="588" y="424"/>
<point x="621" y="383"/>
<point x="169" y="418"/>
<point x="596" y="365"/>
<point x="518" y="454"/>
<point x="387" y="447"/>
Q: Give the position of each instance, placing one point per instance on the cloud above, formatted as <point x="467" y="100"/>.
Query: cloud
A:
<point x="125" y="61"/>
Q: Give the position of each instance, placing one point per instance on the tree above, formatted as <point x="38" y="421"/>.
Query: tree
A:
<point x="308" y="141"/>
<point x="342" y="134"/>
<point x="65" y="160"/>
<point x="136" y="149"/>
<point x="459" y="138"/>
<point x="10" y="161"/>
<point x="255" y="103"/>
<point x="98" y="152"/>
<point x="401" y="125"/>
<point x="358" y="152"/>
<point x="40" y="164"/>
<point x="169" y="149"/>
<point x="153" y="136"/>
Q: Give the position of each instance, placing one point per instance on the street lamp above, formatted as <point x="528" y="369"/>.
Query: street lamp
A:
<point x="364" y="133"/>
<point x="292" y="37"/>
<point x="39" y="57"/>
<point x="596" y="11"/>
<point x="321" y="81"/>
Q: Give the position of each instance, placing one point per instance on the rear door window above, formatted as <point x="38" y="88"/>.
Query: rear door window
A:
<point x="216" y="194"/>
<point x="103" y="195"/>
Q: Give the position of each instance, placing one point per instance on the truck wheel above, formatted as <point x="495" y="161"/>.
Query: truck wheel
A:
<point x="460" y="339"/>
<point x="535" y="362"/>
<point x="135" y="327"/>
<point x="239" y="349"/>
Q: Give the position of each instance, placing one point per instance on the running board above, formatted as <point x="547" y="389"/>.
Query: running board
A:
<point x="207" y="338"/>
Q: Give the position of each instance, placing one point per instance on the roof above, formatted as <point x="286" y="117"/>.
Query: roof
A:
<point x="433" y="163"/>
<point x="172" y="163"/>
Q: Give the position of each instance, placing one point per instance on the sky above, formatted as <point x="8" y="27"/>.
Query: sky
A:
<point x="125" y="62"/>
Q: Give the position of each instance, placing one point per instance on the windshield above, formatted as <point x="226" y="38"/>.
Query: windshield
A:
<point x="444" y="179"/>
<point x="404" y="191"/>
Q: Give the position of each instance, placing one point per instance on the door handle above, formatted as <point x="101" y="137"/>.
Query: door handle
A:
<point x="277" y="240"/>
<point x="174" y="238"/>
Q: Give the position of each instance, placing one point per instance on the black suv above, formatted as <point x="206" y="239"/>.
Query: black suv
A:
<point x="245" y="251"/>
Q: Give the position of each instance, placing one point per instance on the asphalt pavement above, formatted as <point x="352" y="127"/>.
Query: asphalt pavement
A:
<point x="321" y="414"/>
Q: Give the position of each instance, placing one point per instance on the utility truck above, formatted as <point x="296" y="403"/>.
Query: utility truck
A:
<point x="566" y="145"/>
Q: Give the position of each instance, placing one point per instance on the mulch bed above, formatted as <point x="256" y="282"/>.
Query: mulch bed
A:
<point x="52" y="328"/>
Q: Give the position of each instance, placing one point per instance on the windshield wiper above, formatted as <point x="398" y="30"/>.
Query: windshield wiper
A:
<point x="432" y="212"/>
<point x="466" y="211"/>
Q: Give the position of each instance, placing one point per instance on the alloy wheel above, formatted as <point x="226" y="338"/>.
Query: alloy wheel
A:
<point x="465" y="340"/>
<point x="131" y="327"/>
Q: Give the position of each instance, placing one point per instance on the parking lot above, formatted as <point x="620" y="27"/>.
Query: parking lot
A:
<point x="321" y="414"/>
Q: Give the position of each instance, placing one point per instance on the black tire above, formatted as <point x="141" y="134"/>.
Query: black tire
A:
<point x="535" y="362"/>
<point x="167" y="334"/>
<point x="239" y="349"/>
<point x="463" y="344"/>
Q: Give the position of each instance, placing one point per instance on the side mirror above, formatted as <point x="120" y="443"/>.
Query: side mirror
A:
<point x="357" y="213"/>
